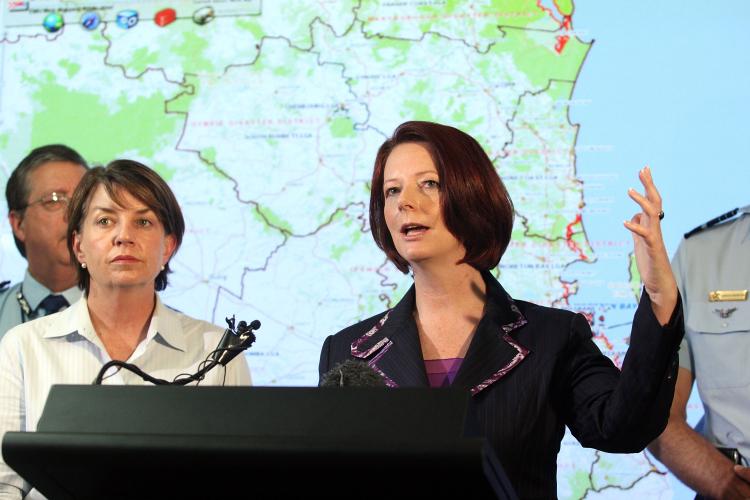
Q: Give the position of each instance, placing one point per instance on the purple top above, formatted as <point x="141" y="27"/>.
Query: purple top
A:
<point x="441" y="372"/>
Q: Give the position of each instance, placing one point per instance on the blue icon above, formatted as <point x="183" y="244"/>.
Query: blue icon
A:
<point x="53" y="22"/>
<point x="90" y="20"/>
<point x="126" y="19"/>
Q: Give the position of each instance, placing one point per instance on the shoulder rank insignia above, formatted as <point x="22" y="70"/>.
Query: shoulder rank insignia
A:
<point x="712" y="222"/>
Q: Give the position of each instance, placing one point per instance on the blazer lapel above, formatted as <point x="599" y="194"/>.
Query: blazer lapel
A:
<point x="392" y="346"/>
<point x="493" y="352"/>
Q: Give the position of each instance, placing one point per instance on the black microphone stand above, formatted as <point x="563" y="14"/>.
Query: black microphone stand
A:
<point x="234" y="341"/>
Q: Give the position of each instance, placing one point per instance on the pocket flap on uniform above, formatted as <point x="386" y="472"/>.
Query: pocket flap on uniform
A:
<point x="718" y="317"/>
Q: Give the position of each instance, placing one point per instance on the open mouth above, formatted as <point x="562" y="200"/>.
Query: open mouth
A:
<point x="408" y="229"/>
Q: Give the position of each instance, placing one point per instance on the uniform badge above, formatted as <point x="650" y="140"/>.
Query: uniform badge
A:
<point x="725" y="313"/>
<point x="727" y="295"/>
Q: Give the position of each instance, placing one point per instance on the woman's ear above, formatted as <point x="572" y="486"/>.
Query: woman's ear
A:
<point x="170" y="244"/>
<point x="80" y="256"/>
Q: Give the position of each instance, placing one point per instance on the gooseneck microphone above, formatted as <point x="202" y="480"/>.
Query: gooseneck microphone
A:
<point x="351" y="373"/>
<point x="235" y="340"/>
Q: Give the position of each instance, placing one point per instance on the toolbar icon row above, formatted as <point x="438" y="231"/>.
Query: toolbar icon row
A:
<point x="127" y="19"/>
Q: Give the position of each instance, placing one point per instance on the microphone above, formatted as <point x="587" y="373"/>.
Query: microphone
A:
<point x="351" y="373"/>
<point x="235" y="340"/>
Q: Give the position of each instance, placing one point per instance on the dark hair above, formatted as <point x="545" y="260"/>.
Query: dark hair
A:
<point x="17" y="190"/>
<point x="141" y="182"/>
<point x="474" y="203"/>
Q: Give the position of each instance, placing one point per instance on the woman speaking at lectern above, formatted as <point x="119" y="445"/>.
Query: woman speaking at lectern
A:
<point x="439" y="210"/>
<point x="124" y="226"/>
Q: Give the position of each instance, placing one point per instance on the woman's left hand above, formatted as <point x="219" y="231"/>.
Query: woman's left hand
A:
<point x="650" y="253"/>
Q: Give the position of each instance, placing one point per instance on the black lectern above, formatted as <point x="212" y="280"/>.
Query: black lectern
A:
<point x="96" y="442"/>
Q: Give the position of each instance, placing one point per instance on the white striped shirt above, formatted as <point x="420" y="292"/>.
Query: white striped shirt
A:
<point x="63" y="348"/>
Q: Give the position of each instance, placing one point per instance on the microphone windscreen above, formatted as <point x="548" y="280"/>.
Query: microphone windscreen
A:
<point x="352" y="373"/>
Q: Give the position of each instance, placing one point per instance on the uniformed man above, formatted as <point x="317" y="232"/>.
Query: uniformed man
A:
<point x="37" y="194"/>
<point x="712" y="267"/>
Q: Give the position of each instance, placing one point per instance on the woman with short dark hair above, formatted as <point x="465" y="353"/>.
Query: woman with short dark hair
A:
<point x="119" y="179"/>
<point x="124" y="226"/>
<point x="439" y="209"/>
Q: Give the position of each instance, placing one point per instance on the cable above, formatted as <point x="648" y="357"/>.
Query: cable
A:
<point x="203" y="367"/>
<point x="213" y="358"/>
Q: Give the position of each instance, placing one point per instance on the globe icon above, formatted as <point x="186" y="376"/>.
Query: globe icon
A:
<point x="53" y="22"/>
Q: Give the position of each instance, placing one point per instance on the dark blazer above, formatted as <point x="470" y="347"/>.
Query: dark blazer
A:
<point x="533" y="370"/>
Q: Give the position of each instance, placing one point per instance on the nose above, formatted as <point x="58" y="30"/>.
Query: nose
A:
<point x="408" y="198"/>
<point x="123" y="235"/>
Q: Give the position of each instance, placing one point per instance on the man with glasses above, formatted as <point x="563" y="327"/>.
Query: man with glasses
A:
<point x="37" y="193"/>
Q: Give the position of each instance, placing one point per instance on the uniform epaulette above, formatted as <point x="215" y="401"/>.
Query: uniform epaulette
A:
<point x="712" y="222"/>
<point x="4" y="285"/>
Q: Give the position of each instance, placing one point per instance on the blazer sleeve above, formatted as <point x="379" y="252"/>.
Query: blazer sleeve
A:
<point x="324" y="364"/>
<point x="621" y="412"/>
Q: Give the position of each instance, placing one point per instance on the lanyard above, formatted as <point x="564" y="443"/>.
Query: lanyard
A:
<point x="26" y="313"/>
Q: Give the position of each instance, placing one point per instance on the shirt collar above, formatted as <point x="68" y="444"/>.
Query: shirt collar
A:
<point x="72" y="294"/>
<point x="34" y="292"/>
<point x="164" y="327"/>
<point x="74" y="320"/>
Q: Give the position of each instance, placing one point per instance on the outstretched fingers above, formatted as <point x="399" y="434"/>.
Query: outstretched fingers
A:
<point x="645" y="223"/>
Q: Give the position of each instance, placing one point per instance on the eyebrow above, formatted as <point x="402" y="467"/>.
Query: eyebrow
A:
<point x="112" y="210"/>
<point x="417" y="173"/>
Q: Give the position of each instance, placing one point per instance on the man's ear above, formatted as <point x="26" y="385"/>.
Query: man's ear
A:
<point x="16" y="223"/>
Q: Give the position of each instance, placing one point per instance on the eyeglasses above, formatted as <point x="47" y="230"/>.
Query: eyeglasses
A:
<point x="51" y="202"/>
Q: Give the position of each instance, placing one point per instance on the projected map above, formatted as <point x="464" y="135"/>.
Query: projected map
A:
<point x="265" y="116"/>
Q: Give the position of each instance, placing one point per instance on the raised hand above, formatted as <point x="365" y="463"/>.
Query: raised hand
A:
<point x="650" y="253"/>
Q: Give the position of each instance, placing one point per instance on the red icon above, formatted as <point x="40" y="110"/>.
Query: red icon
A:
<point x="164" y="17"/>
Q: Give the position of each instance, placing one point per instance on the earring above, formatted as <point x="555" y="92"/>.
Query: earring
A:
<point x="162" y="268"/>
<point x="83" y="265"/>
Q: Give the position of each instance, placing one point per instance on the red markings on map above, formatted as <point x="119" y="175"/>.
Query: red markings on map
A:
<point x="605" y="340"/>
<point x="569" y="233"/>
<point x="589" y="315"/>
<point x="564" y="22"/>
<point x="567" y="22"/>
<point x="562" y="40"/>
<point x="617" y="357"/>
<point x="597" y="322"/>
<point x="566" y="292"/>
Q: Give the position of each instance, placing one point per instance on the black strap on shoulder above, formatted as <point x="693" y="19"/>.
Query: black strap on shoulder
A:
<point x="712" y="222"/>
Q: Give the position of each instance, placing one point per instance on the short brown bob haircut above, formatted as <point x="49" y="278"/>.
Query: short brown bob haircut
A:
<point x="474" y="203"/>
<point x="141" y="182"/>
